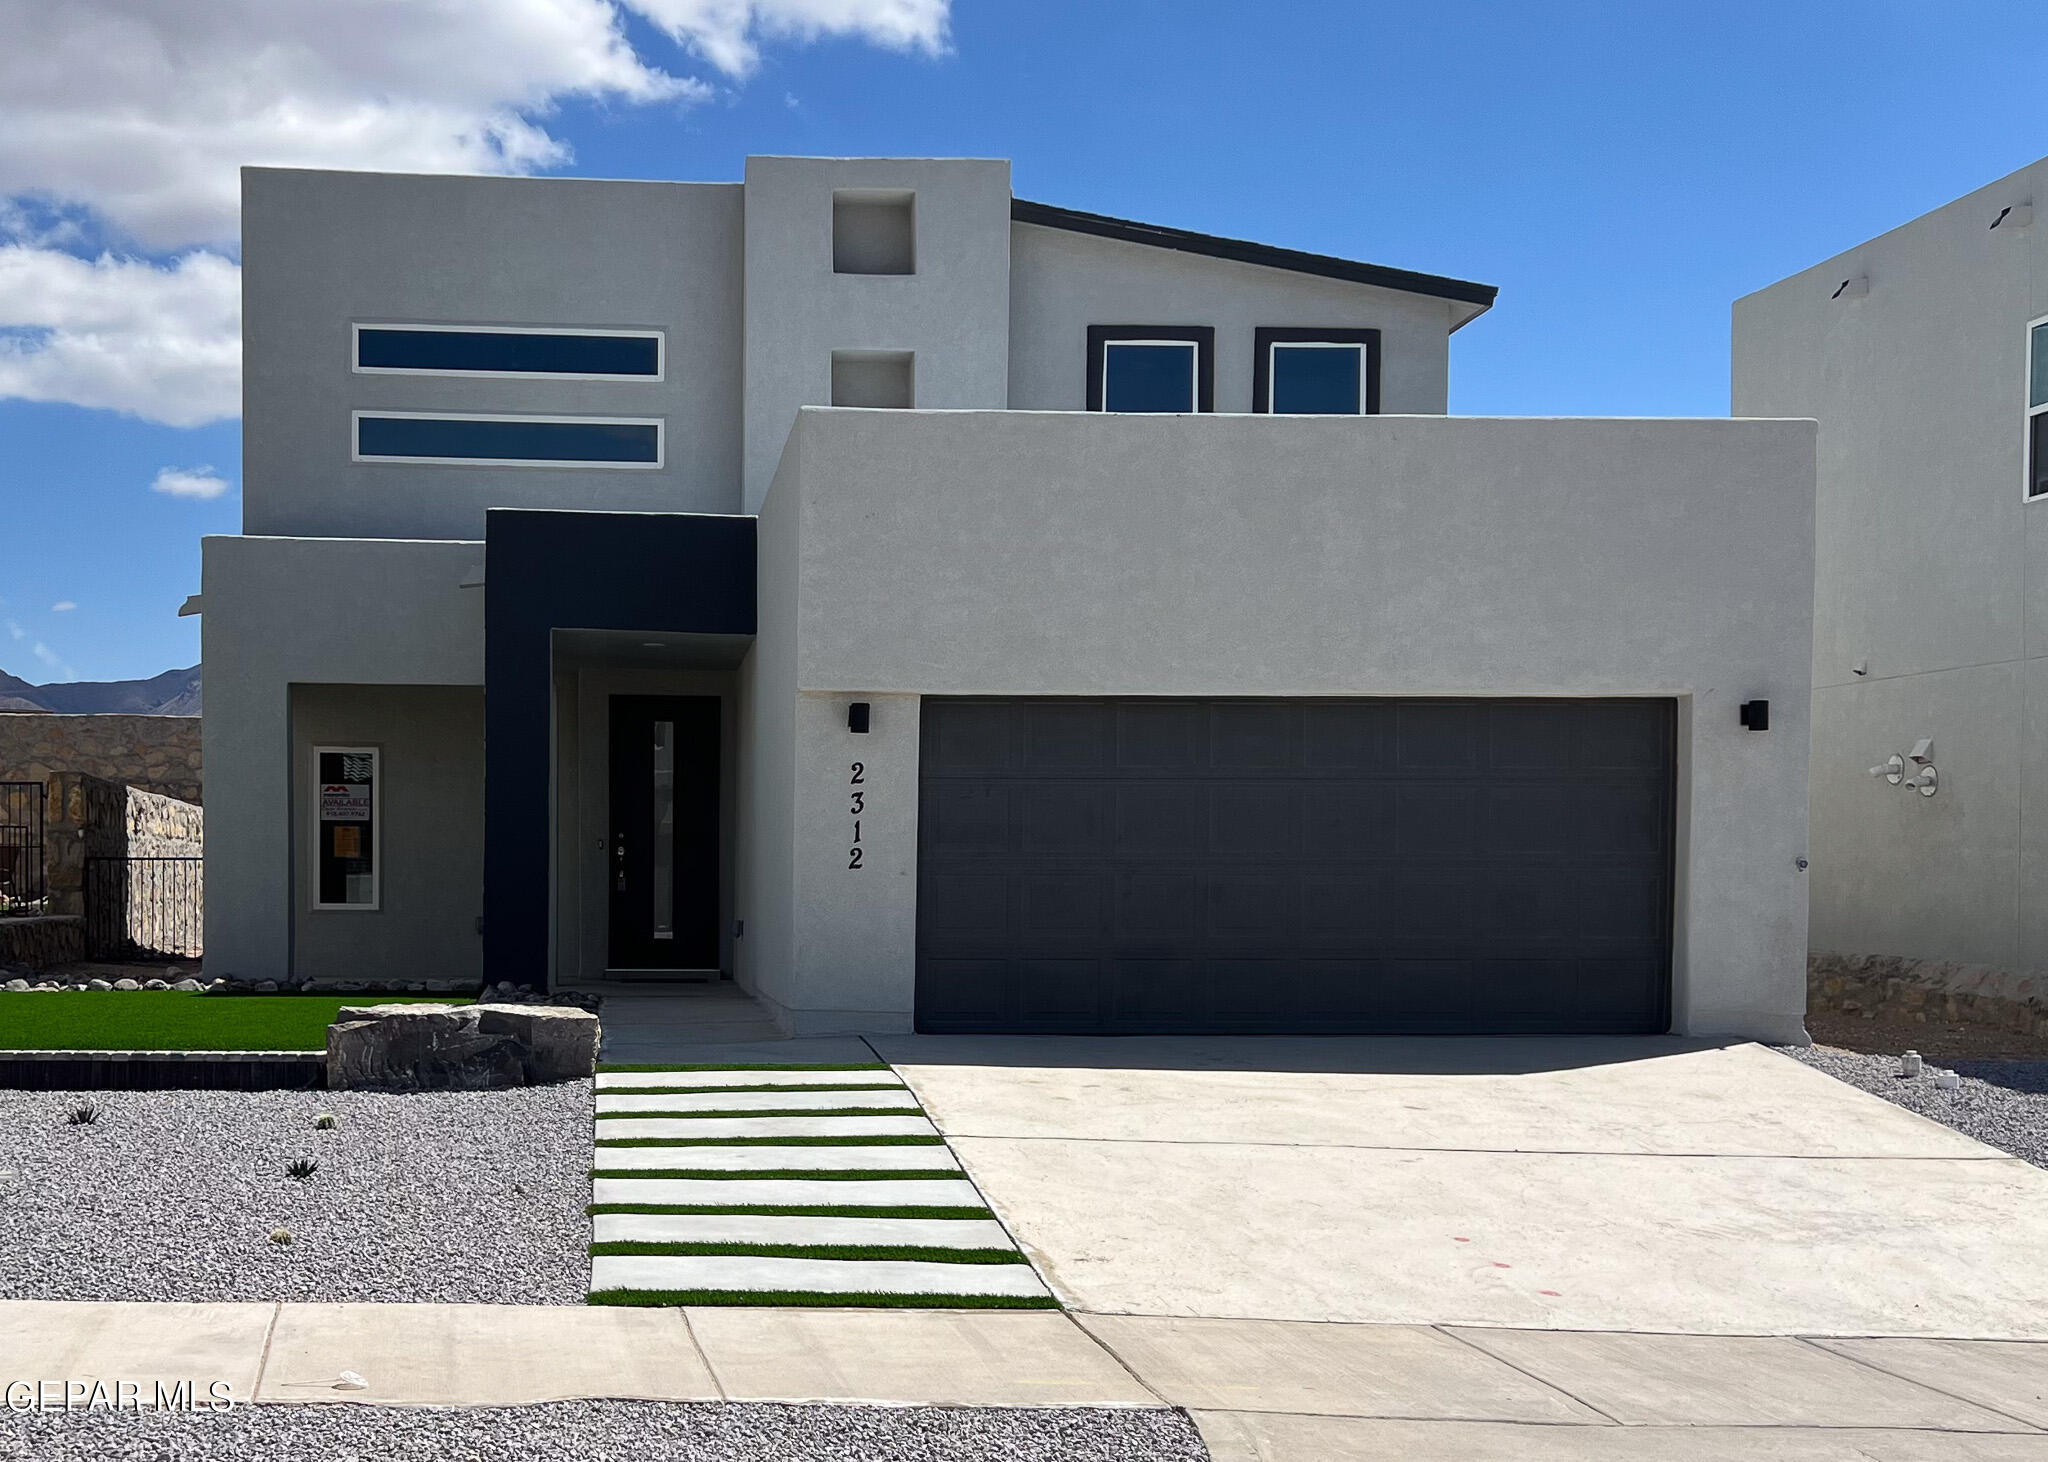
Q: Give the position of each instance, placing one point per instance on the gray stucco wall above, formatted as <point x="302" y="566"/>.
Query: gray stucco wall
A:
<point x="324" y="249"/>
<point x="310" y="611"/>
<point x="1063" y="282"/>
<point x="432" y="841"/>
<point x="1931" y="571"/>
<point x="1042" y="554"/>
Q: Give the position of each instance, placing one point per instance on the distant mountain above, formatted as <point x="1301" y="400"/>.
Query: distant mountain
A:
<point x="173" y="693"/>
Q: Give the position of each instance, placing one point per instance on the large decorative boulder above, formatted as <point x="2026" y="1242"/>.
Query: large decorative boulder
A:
<point x="424" y="1047"/>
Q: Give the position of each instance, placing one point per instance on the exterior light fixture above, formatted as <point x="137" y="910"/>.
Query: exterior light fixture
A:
<point x="857" y="718"/>
<point x="2014" y="215"/>
<point x="1852" y="289"/>
<point x="1756" y="715"/>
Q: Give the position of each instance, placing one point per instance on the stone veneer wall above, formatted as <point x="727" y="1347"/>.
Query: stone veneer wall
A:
<point x="36" y="943"/>
<point x="160" y="906"/>
<point x="1926" y="989"/>
<point x="156" y="753"/>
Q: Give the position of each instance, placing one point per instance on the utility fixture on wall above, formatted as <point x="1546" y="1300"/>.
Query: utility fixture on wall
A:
<point x="1852" y="289"/>
<point x="1925" y="779"/>
<point x="2014" y="215"/>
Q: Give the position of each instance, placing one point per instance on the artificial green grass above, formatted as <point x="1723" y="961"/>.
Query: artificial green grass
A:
<point x="793" y="1210"/>
<point x="745" y="1066"/>
<point x="176" y="1020"/>
<point x="777" y="1112"/>
<point x="665" y="1298"/>
<point x="912" y="1253"/>
<point x="771" y="1142"/>
<point x="789" y="1091"/>
<point x="830" y="1175"/>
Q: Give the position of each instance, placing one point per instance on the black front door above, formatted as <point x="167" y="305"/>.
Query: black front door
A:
<point x="663" y="873"/>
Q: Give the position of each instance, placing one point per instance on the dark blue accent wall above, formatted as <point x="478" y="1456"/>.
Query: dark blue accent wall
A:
<point x="544" y="571"/>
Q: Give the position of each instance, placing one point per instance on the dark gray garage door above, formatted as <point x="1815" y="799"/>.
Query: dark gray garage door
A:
<point x="1303" y="866"/>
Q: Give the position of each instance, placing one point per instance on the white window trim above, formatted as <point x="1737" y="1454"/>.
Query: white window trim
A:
<point x="659" y="337"/>
<point x="376" y="903"/>
<point x="1194" y="350"/>
<point x="2027" y="493"/>
<point x="1273" y="349"/>
<point x="659" y="424"/>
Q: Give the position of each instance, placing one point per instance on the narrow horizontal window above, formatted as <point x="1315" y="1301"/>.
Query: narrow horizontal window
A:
<point x="1316" y="372"/>
<point x="438" y="350"/>
<point x="523" y="441"/>
<point x="1151" y="368"/>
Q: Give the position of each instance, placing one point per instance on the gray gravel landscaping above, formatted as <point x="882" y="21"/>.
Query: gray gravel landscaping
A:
<point x="454" y="1197"/>
<point x="607" y="1431"/>
<point x="2002" y="1103"/>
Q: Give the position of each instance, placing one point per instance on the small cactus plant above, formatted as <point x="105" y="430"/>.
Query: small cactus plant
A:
<point x="85" y="1114"/>
<point x="325" y="1122"/>
<point x="280" y="1236"/>
<point x="302" y="1168"/>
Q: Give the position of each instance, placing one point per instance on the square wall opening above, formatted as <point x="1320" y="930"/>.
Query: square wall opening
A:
<point x="873" y="378"/>
<point x="874" y="232"/>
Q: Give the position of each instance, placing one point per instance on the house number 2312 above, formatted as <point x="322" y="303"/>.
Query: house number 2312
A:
<point x="856" y="805"/>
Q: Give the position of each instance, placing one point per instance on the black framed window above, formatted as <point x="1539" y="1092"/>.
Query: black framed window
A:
<point x="1151" y="368"/>
<point x="2037" y="409"/>
<point x="533" y="441"/>
<point x="1316" y="372"/>
<point x="438" y="350"/>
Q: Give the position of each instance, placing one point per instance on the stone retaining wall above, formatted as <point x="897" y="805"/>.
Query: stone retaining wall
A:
<point x="156" y="753"/>
<point x="1925" y="989"/>
<point x="38" y="943"/>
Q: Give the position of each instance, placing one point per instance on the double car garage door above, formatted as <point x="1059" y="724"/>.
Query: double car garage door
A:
<point x="1295" y="866"/>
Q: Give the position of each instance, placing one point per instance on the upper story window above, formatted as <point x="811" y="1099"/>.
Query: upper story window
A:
<point x="2037" y="409"/>
<point x="1316" y="372"/>
<point x="452" y="438"/>
<point x="1151" y="368"/>
<point x="504" y="350"/>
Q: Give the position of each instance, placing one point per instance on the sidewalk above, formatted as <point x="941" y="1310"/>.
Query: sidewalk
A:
<point x="1262" y="1391"/>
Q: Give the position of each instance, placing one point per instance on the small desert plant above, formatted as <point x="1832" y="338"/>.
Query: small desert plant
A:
<point x="85" y="1114"/>
<point x="325" y="1122"/>
<point x="302" y="1168"/>
<point x="280" y="1236"/>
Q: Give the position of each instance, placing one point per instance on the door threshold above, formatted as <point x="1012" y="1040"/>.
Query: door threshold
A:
<point x="698" y="977"/>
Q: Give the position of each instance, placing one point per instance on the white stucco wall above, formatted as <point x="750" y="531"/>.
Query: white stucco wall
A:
<point x="1931" y="572"/>
<point x="1062" y="282"/>
<point x="1081" y="554"/>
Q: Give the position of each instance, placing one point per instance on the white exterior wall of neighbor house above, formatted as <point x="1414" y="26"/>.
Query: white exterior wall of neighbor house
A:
<point x="1038" y="554"/>
<point x="1932" y="573"/>
<point x="1061" y="282"/>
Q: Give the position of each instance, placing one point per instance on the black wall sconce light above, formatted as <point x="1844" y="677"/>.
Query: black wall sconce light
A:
<point x="1756" y="715"/>
<point x="857" y="718"/>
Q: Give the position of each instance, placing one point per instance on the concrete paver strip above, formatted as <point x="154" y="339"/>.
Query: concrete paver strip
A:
<point x="718" y="1129"/>
<point x="483" y="1355"/>
<point x="1272" y="1437"/>
<point x="86" y="1341"/>
<point x="1588" y="1094"/>
<point x="805" y="1099"/>
<point x="730" y="1193"/>
<point x="912" y="1357"/>
<point x="676" y="1273"/>
<point x="2007" y="1376"/>
<point x="709" y="1157"/>
<point x="1725" y="1380"/>
<point x="775" y="1228"/>
<point x="1356" y="1370"/>
<point x="629" y="1080"/>
<point x="1743" y="1246"/>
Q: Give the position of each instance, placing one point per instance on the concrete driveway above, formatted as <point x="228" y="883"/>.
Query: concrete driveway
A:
<point x="1597" y="1184"/>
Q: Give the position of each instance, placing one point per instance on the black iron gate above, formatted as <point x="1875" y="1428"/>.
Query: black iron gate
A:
<point x="144" y="907"/>
<point x="23" y="880"/>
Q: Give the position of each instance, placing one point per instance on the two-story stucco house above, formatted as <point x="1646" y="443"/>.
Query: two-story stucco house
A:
<point x="927" y="607"/>
<point x="1923" y="353"/>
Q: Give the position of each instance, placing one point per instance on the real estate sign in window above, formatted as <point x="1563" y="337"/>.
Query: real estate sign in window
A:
<point x="345" y="827"/>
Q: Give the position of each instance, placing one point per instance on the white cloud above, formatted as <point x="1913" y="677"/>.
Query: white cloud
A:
<point x="191" y="482"/>
<point x="129" y="119"/>
<point x="15" y="631"/>
<point x="63" y="606"/>
<point x="162" y="342"/>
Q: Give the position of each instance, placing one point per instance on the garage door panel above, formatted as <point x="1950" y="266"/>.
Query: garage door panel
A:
<point x="1295" y="866"/>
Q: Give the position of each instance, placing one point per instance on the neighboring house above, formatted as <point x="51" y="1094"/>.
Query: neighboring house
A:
<point x="1923" y="354"/>
<point x="926" y="606"/>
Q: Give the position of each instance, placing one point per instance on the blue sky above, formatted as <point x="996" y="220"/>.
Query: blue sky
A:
<point x="1622" y="172"/>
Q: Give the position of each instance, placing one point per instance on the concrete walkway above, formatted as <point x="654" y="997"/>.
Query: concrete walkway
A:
<point x="1561" y="1184"/>
<point x="1277" y="1391"/>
